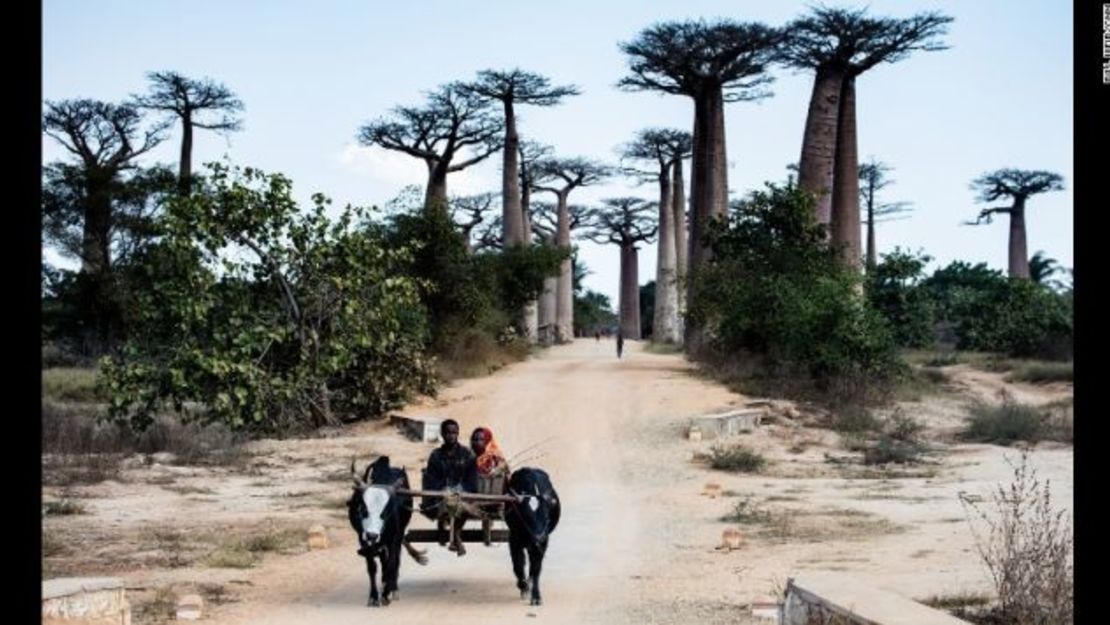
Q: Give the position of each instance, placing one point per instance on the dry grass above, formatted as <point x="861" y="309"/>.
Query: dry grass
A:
<point x="190" y="490"/>
<point x="244" y="550"/>
<point x="52" y="544"/>
<point x="1012" y="421"/>
<point x="1027" y="547"/>
<point x="737" y="458"/>
<point x="63" y="507"/>
<point x="159" y="607"/>
<point x="1043" y="373"/>
<point x="476" y="354"/>
<point x="71" y="384"/>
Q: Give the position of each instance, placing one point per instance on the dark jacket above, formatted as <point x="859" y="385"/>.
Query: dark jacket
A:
<point x="448" y="467"/>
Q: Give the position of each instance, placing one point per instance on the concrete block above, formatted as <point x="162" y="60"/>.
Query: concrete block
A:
<point x="727" y="423"/>
<point x="835" y="597"/>
<point x="189" y="607"/>
<point x="85" y="600"/>
<point x="424" y="429"/>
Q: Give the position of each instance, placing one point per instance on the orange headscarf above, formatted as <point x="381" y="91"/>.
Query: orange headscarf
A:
<point x="492" y="458"/>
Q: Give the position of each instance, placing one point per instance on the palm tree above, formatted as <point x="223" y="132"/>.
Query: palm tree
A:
<point x="1041" y="268"/>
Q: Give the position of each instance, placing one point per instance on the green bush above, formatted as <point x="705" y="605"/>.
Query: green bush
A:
<point x="893" y="289"/>
<point x="994" y="313"/>
<point x="267" y="316"/>
<point x="776" y="290"/>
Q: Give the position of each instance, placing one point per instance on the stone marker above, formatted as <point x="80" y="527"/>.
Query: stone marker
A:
<point x="731" y="539"/>
<point x="317" y="537"/>
<point x="189" y="607"/>
<point x="765" y="608"/>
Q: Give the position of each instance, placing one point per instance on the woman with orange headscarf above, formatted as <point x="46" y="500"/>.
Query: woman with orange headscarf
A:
<point x="488" y="455"/>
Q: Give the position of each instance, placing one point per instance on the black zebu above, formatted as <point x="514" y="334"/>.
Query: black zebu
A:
<point x="531" y="519"/>
<point x="380" y="517"/>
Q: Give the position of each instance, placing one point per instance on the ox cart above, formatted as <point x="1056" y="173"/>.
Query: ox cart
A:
<point x="487" y="505"/>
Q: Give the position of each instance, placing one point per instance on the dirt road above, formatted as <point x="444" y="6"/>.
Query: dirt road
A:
<point x="636" y="542"/>
<point x="587" y="412"/>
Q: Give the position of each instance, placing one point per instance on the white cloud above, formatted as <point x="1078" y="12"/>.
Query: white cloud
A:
<point x="386" y="172"/>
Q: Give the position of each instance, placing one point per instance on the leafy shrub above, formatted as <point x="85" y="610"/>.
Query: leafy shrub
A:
<point x="893" y="289"/>
<point x="775" y="289"/>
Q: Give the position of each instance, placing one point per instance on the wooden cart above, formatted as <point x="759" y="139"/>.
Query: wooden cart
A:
<point x="488" y="505"/>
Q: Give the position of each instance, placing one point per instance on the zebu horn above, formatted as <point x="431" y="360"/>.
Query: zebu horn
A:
<point x="359" y="484"/>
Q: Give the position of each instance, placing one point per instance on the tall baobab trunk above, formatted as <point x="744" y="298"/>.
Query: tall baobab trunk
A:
<point x="708" y="186"/>
<point x="872" y="260"/>
<point x="1019" y="255"/>
<point x="564" y="293"/>
<point x="511" y="213"/>
<point x="96" y="252"/>
<point x="546" y="313"/>
<point x="717" y="165"/>
<point x="678" y="197"/>
<point x="531" y="309"/>
<point x="435" y="196"/>
<point x="630" y="294"/>
<point x="665" y="323"/>
<point x="844" y="225"/>
<point x="691" y="334"/>
<point x="815" y="166"/>
<point x="186" y="167"/>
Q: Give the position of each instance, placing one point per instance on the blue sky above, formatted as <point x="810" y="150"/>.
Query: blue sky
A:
<point x="311" y="73"/>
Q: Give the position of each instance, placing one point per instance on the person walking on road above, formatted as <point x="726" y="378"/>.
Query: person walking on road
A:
<point x="620" y="344"/>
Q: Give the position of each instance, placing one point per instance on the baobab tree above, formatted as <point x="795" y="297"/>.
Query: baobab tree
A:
<point x="873" y="178"/>
<point x="201" y="104"/>
<point x="625" y="221"/>
<point x="839" y="45"/>
<point x="81" y="202"/>
<point x="659" y="146"/>
<point x="529" y="153"/>
<point x="106" y="139"/>
<point x="560" y="176"/>
<point x="453" y="119"/>
<point x="468" y="211"/>
<point x="712" y="63"/>
<point x="513" y="87"/>
<point x="487" y="235"/>
<point x="545" y="225"/>
<point x="1017" y="185"/>
<point x="678" y="198"/>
